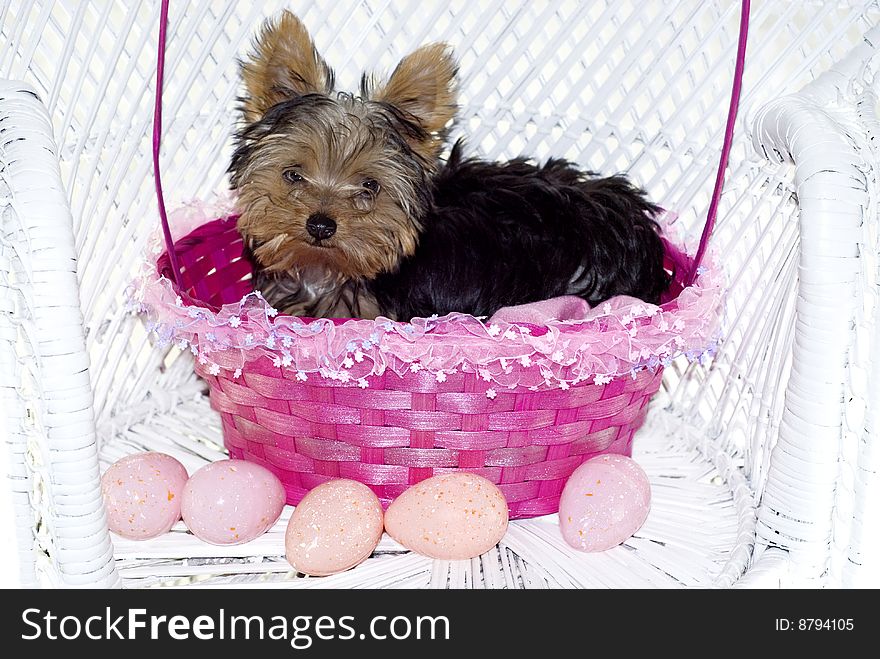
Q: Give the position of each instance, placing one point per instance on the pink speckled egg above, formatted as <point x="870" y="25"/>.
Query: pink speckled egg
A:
<point x="142" y="494"/>
<point x="604" y="502"/>
<point x="231" y="501"/>
<point x="335" y="527"/>
<point x="452" y="517"/>
<point x="632" y="469"/>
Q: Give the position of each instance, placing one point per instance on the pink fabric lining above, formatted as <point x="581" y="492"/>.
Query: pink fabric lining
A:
<point x="226" y="325"/>
<point x="567" y="307"/>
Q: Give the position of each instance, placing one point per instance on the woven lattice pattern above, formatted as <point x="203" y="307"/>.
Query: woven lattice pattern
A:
<point x="400" y="431"/>
<point x="782" y="420"/>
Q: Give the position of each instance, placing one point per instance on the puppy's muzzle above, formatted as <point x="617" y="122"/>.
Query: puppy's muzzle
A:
<point x="320" y="226"/>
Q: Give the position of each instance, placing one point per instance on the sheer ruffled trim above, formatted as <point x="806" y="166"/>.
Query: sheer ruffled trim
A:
<point x="617" y="338"/>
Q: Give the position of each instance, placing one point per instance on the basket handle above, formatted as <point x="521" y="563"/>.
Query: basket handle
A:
<point x="728" y="140"/>
<point x="713" y="206"/>
<point x="157" y="140"/>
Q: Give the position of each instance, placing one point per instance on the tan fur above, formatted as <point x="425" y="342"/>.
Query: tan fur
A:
<point x="285" y="62"/>
<point x="335" y="155"/>
<point x="424" y="85"/>
<point x="335" y="142"/>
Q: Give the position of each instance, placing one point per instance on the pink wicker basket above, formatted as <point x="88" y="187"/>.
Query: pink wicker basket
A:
<point x="525" y="428"/>
<point x="390" y="404"/>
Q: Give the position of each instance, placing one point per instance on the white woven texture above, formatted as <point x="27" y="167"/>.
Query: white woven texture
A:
<point x="763" y="462"/>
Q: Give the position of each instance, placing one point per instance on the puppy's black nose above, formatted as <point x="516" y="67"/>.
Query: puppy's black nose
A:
<point x="320" y="226"/>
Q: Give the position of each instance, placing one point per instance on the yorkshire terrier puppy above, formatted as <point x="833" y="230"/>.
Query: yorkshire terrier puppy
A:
<point x="347" y="210"/>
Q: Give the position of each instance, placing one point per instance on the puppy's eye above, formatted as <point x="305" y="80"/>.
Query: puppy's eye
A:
<point x="292" y="176"/>
<point x="372" y="185"/>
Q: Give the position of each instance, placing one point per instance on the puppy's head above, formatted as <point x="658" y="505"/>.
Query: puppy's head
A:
<point x="330" y="179"/>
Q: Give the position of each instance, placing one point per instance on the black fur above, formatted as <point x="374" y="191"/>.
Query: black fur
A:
<point x="501" y="234"/>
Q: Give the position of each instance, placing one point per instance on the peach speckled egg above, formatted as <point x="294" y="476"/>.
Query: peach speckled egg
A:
<point x="231" y="501"/>
<point x="453" y="516"/>
<point x="142" y="494"/>
<point x="335" y="527"/>
<point x="604" y="502"/>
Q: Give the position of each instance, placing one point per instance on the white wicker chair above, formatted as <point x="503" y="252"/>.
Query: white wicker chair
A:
<point x="763" y="462"/>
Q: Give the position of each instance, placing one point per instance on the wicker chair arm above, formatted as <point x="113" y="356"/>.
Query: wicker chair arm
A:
<point x="812" y="498"/>
<point x="45" y="392"/>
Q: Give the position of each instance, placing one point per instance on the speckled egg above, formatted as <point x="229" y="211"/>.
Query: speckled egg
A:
<point x="142" y="494"/>
<point x="605" y="501"/>
<point x="335" y="527"/>
<point x="453" y="516"/>
<point x="231" y="501"/>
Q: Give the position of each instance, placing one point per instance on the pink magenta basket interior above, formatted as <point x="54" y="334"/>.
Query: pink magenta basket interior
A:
<point x="392" y="403"/>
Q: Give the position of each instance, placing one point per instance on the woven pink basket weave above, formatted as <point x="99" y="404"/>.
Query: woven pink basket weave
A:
<point x="371" y="415"/>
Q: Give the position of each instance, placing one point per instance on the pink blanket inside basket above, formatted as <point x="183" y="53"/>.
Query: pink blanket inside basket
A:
<point x="565" y="307"/>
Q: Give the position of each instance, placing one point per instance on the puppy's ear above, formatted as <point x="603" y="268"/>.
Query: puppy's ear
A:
<point x="424" y="87"/>
<point x="284" y="65"/>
